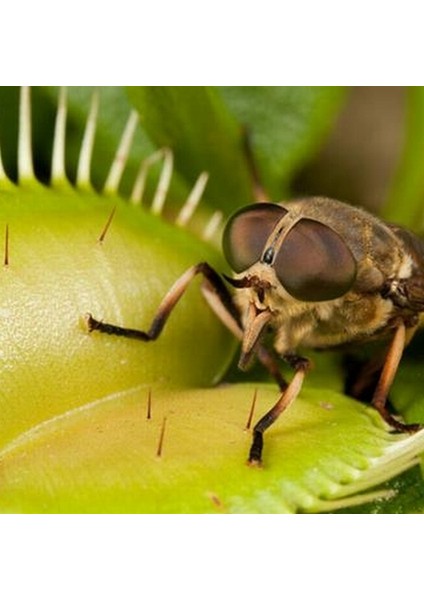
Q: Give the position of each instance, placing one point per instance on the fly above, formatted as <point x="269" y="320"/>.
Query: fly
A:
<point x="319" y="274"/>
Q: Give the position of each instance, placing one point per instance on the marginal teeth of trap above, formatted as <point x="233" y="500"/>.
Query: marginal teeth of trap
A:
<point x="58" y="174"/>
<point x="192" y="201"/>
<point x="25" y="161"/>
<point x="84" y="161"/>
<point x="164" y="182"/>
<point x="118" y="165"/>
<point x="140" y="182"/>
<point x="3" y="177"/>
<point x="212" y="226"/>
<point x="398" y="457"/>
<point x="159" y="198"/>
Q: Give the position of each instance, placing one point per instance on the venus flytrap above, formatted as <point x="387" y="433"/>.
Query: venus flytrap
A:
<point x="92" y="423"/>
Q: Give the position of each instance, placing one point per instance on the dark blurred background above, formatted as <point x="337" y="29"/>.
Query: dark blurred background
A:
<point x="359" y="158"/>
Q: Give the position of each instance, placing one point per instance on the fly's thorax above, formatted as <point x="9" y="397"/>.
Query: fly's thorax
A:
<point x="329" y="324"/>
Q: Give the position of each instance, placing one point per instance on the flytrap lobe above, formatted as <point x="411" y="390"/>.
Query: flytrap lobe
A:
<point x="68" y="250"/>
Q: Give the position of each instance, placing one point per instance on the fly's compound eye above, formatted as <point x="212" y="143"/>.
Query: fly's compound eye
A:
<point x="246" y="233"/>
<point x="314" y="264"/>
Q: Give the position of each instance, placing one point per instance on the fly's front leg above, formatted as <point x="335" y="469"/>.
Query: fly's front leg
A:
<point x="301" y="366"/>
<point x="168" y="303"/>
<point x="219" y="299"/>
<point x="264" y="355"/>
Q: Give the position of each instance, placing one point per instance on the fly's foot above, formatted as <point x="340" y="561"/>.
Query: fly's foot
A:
<point x="91" y="323"/>
<point x="397" y="425"/>
<point x="255" y="454"/>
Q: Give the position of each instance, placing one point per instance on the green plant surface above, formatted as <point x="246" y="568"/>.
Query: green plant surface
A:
<point x="58" y="271"/>
<point x="103" y="457"/>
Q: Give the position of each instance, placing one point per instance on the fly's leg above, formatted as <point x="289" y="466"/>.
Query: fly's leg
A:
<point x="387" y="376"/>
<point x="214" y="298"/>
<point x="301" y="366"/>
<point x="269" y="361"/>
<point x="168" y="303"/>
<point x="362" y="383"/>
<point x="219" y="299"/>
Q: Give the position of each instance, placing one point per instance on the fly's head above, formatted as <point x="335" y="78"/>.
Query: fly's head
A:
<point x="284" y="262"/>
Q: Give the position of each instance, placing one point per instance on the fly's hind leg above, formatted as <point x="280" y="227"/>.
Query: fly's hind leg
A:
<point x="288" y="396"/>
<point x="387" y="376"/>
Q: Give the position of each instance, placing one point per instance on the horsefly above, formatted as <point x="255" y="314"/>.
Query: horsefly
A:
<point x="317" y="274"/>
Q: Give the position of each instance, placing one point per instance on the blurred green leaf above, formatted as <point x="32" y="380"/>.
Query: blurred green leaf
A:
<point x="405" y="202"/>
<point x="407" y="392"/>
<point x="286" y="123"/>
<point x="204" y="126"/>
<point x="9" y="128"/>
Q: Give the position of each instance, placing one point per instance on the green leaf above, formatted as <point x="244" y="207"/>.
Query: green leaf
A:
<point x="9" y="128"/>
<point x="287" y="125"/>
<point x="204" y="128"/>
